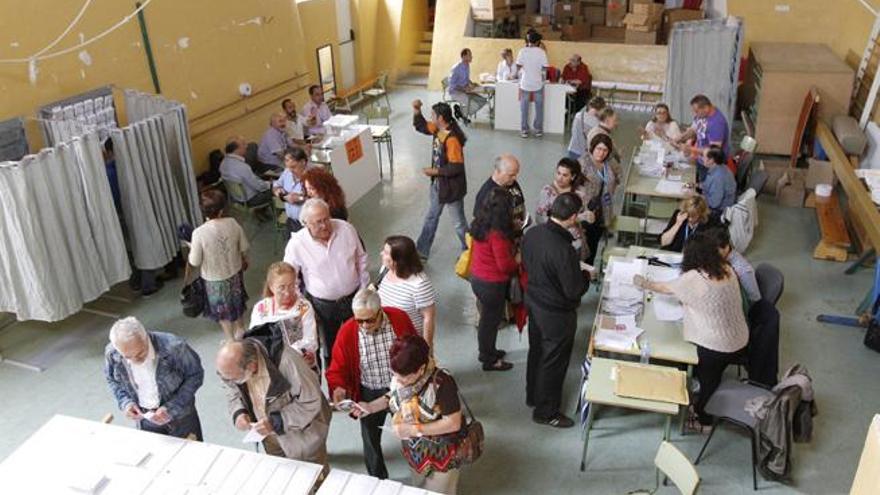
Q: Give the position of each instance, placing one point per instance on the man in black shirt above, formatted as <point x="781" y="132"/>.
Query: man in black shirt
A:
<point x="504" y="173"/>
<point x="556" y="284"/>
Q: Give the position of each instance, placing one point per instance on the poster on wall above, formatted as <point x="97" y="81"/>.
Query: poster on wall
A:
<point x="354" y="150"/>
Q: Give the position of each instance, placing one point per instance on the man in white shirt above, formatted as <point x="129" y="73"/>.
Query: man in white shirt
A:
<point x="154" y="377"/>
<point x="316" y="111"/>
<point x="532" y="60"/>
<point x="296" y="123"/>
<point x="330" y="257"/>
<point x="233" y="168"/>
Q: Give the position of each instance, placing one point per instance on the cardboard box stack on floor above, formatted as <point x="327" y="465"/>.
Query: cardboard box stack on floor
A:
<point x="494" y="10"/>
<point x="570" y="21"/>
<point x="643" y="22"/>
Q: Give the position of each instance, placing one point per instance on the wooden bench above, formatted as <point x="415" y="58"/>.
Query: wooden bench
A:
<point x="835" y="242"/>
<point x="349" y="98"/>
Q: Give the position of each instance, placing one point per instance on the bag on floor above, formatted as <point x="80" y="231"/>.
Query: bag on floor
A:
<point x="471" y="447"/>
<point x="872" y="334"/>
<point x="463" y="265"/>
<point x="193" y="296"/>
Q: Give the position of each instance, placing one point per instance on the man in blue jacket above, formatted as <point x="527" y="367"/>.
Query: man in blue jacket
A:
<point x="154" y="377"/>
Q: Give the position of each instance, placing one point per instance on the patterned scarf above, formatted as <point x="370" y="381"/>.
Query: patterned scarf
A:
<point x="414" y="403"/>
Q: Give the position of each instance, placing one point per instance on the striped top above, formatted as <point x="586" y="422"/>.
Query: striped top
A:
<point x="410" y="296"/>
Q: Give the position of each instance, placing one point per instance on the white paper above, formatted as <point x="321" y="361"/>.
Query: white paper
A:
<point x="662" y="273"/>
<point x="149" y="415"/>
<point x="667" y="308"/>
<point x="253" y="436"/>
<point x="87" y="481"/>
<point x="622" y="337"/>
<point x="131" y="455"/>
<point x="669" y="187"/>
<point x="623" y="271"/>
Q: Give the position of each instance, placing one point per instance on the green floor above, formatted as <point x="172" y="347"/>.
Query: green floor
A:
<point x="520" y="457"/>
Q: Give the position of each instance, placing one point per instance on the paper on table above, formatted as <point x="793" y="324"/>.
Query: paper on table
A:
<point x="253" y="436"/>
<point x="619" y="332"/>
<point x="131" y="455"/>
<point x="669" y="187"/>
<point x="663" y="273"/>
<point x="88" y="481"/>
<point x="656" y="383"/>
<point x="624" y="271"/>
<point x="667" y="308"/>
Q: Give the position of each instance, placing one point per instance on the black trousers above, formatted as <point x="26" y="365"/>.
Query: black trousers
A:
<point x="551" y="338"/>
<point x="708" y="372"/>
<point x="371" y="435"/>
<point x="330" y="315"/>
<point x="493" y="298"/>
<point x="593" y="232"/>
<point x="180" y="428"/>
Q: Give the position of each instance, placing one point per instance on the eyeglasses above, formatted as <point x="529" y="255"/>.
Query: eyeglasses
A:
<point x="368" y="321"/>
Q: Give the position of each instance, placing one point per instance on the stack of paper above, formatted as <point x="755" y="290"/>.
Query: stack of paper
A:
<point x="619" y="332"/>
<point x="667" y="308"/>
<point x="622" y="297"/>
<point x="670" y="187"/>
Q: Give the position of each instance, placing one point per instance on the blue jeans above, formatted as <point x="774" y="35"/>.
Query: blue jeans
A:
<point x="525" y="97"/>
<point x="432" y="219"/>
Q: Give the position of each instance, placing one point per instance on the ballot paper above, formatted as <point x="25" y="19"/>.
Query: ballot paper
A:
<point x="149" y="415"/>
<point x="253" y="436"/>
<point x="663" y="274"/>
<point x="623" y="271"/>
<point x="622" y="297"/>
<point x="131" y="455"/>
<point x="667" y="308"/>
<point x="618" y="332"/>
<point x="670" y="187"/>
<point x="90" y="481"/>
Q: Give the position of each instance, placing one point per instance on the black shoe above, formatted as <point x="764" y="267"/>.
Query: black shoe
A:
<point x="499" y="354"/>
<point x="558" y="421"/>
<point x="498" y="365"/>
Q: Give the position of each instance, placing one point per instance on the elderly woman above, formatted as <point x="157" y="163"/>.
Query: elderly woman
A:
<point x="507" y="68"/>
<point x="713" y="313"/>
<point x="692" y="216"/>
<point x="426" y="415"/>
<point x="601" y="179"/>
<point x="405" y="285"/>
<point x="568" y="178"/>
<point x="283" y="303"/>
<point x="219" y="248"/>
<point x="662" y="125"/>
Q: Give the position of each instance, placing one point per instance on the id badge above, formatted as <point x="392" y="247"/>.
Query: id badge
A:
<point x="606" y="199"/>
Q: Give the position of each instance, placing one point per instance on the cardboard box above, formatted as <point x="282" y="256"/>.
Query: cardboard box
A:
<point x="576" y="32"/>
<point x="790" y="190"/>
<point x="567" y="9"/>
<point x="774" y="169"/>
<point x="594" y="14"/>
<point x="819" y="172"/>
<point x="634" y="37"/>
<point x="605" y="33"/>
<point x="491" y="10"/>
<point x="615" y="11"/>
<point x="641" y="22"/>
<point x="535" y="20"/>
<point x="548" y="34"/>
<point x="654" y="10"/>
<point x="671" y="16"/>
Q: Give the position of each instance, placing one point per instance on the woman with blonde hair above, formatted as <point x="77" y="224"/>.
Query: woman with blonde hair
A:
<point x="691" y="216"/>
<point x="282" y="303"/>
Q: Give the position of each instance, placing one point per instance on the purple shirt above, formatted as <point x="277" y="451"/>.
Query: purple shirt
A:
<point x="272" y="144"/>
<point x="712" y="129"/>
<point x="460" y="77"/>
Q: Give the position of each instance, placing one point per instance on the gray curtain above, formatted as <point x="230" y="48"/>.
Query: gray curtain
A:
<point x="91" y="112"/>
<point x="703" y="59"/>
<point x="62" y="245"/>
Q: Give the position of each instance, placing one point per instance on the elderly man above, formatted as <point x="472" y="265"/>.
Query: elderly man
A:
<point x="462" y="89"/>
<point x="556" y="284"/>
<point x="274" y="142"/>
<point x="154" y="377"/>
<point x="271" y="389"/>
<point x="331" y="258"/>
<point x="709" y="128"/>
<point x="316" y="111"/>
<point x="289" y="187"/>
<point x="577" y="73"/>
<point x="234" y="168"/>
<point x="361" y="367"/>
<point x="504" y="174"/>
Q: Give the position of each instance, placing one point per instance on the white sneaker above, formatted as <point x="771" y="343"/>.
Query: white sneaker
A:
<point x="524" y="134"/>
<point x="538" y="134"/>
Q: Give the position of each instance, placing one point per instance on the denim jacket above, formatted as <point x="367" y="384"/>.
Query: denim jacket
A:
<point x="179" y="374"/>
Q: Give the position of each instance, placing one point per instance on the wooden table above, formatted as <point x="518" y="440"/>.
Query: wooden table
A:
<point x="66" y="449"/>
<point x="340" y="482"/>
<point x="600" y="392"/>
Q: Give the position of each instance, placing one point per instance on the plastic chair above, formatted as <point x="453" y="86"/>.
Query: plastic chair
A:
<point x="676" y="467"/>
<point x="279" y="226"/>
<point x="379" y="89"/>
<point x="381" y="135"/>
<point x="771" y="282"/>
<point x="727" y="405"/>
<point x="237" y="198"/>
<point x="622" y="224"/>
<point x="757" y="181"/>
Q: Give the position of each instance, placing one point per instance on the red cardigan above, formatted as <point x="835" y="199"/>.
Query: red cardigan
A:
<point x="492" y="260"/>
<point x="345" y="366"/>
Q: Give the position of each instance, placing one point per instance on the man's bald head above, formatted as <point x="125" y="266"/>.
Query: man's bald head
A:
<point x="506" y="169"/>
<point x="236" y="360"/>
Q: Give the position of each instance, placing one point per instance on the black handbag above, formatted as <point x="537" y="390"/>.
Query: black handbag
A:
<point x="872" y="334"/>
<point x="193" y="296"/>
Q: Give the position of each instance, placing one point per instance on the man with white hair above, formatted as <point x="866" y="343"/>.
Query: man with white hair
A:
<point x="361" y="366"/>
<point x="330" y="257"/>
<point x="504" y="173"/>
<point x="234" y="168"/>
<point x="274" y="141"/>
<point x="271" y="388"/>
<point x="154" y="377"/>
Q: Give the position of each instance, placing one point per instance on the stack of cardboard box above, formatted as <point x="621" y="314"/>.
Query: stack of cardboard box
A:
<point x="570" y="21"/>
<point x="671" y="16"/>
<point x="643" y="22"/>
<point x="612" y="29"/>
<point x="494" y="10"/>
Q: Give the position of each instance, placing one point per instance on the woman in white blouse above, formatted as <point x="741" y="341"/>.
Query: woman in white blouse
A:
<point x="219" y="248"/>
<point x="403" y="284"/>
<point x="507" y="68"/>
<point x="283" y="303"/>
<point x="662" y="126"/>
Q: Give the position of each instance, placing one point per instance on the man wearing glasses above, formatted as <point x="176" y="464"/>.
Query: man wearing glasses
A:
<point x="333" y="264"/>
<point x="360" y="370"/>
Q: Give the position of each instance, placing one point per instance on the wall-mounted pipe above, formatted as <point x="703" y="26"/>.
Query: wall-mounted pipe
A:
<point x="148" y="49"/>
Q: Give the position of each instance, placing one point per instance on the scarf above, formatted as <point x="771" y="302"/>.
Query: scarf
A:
<point x="414" y="403"/>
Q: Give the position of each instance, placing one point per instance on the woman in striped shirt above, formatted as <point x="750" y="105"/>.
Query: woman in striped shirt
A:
<point x="403" y="284"/>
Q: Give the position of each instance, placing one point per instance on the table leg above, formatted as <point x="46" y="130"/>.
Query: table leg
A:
<point x="667" y="429"/>
<point x="587" y="436"/>
<point x="684" y="410"/>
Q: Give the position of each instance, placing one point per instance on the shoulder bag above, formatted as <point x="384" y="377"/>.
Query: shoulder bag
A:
<point x="472" y="436"/>
<point x="463" y="265"/>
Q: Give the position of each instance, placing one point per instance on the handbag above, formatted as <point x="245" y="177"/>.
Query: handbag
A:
<point x="471" y="446"/>
<point x="872" y="334"/>
<point x="463" y="265"/>
<point x="193" y="296"/>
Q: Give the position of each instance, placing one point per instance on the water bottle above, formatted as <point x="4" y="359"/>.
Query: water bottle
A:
<point x="644" y="351"/>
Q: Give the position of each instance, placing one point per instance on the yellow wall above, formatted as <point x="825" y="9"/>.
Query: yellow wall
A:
<point x="414" y="18"/>
<point x="608" y="62"/>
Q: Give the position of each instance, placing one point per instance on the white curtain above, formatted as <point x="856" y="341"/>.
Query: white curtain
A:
<point x="704" y="58"/>
<point x="90" y="114"/>
<point x="61" y="244"/>
<point x="156" y="178"/>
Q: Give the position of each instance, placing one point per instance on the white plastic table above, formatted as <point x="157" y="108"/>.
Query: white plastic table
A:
<point x="340" y="482"/>
<point x="68" y="452"/>
<point x="507" y="114"/>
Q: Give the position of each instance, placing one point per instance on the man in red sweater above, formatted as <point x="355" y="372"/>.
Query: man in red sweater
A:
<point x="361" y="366"/>
<point x="577" y="73"/>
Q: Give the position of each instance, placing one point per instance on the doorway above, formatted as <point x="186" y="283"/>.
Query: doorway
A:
<point x="326" y="72"/>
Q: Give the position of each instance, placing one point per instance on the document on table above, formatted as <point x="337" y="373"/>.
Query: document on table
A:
<point x="131" y="455"/>
<point x="667" y="308"/>
<point x="88" y="481"/>
<point x="253" y="436"/>
<point x="669" y="187"/>
<point x="619" y="332"/>
<point x="622" y="272"/>
<point x="663" y="273"/>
